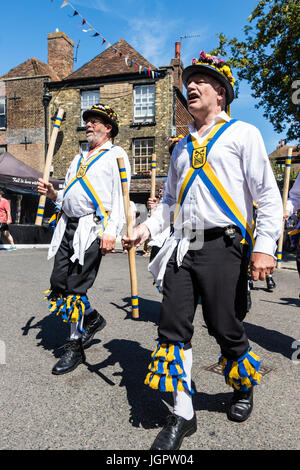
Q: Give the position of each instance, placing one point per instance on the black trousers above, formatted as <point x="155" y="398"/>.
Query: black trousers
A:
<point x="218" y="273"/>
<point x="72" y="278"/>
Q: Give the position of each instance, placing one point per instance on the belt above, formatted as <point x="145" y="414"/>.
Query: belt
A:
<point x="215" y="232"/>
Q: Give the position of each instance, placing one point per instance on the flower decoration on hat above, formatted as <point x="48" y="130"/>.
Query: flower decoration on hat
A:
<point x="175" y="140"/>
<point x="218" y="64"/>
<point x="111" y="114"/>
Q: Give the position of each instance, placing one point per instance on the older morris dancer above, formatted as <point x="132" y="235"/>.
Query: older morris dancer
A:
<point x="91" y="217"/>
<point x="215" y="174"/>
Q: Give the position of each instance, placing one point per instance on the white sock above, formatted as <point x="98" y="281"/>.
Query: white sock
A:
<point x="183" y="405"/>
<point x="74" y="331"/>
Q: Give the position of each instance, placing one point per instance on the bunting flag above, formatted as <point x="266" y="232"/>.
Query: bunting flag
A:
<point x="128" y="61"/>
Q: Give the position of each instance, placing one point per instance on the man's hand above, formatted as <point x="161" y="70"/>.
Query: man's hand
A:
<point x="47" y="189"/>
<point x="108" y="244"/>
<point x="152" y="203"/>
<point x="261" y="265"/>
<point x="141" y="233"/>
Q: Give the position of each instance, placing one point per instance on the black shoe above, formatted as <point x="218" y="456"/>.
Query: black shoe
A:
<point x="92" y="323"/>
<point x="72" y="357"/>
<point x="241" y="405"/>
<point x="270" y="283"/>
<point x="172" y="435"/>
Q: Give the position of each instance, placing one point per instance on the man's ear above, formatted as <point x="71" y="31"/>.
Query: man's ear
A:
<point x="109" y="127"/>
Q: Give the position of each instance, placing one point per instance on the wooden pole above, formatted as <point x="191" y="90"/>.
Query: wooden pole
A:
<point x="131" y="251"/>
<point x="48" y="163"/>
<point x="286" y="184"/>
<point x="153" y="175"/>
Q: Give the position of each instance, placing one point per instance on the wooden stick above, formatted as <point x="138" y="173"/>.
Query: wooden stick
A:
<point x="131" y="251"/>
<point x="285" y="193"/>
<point x="153" y="177"/>
<point x="42" y="200"/>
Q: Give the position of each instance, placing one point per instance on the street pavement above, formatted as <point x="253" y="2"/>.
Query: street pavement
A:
<point x="104" y="403"/>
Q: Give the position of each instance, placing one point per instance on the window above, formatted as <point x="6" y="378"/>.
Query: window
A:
<point x="3" y="148"/>
<point x="142" y="155"/>
<point x="144" y="103"/>
<point x="88" y="98"/>
<point x="2" y="112"/>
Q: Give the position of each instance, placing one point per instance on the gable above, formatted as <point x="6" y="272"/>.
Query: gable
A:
<point x="32" y="67"/>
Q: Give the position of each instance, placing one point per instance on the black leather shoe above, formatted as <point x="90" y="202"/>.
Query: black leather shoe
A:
<point x="241" y="405"/>
<point x="72" y="357"/>
<point x="270" y="283"/>
<point x="172" y="435"/>
<point x="92" y="323"/>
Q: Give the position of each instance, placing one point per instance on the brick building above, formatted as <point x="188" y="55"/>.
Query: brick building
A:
<point x="151" y="106"/>
<point x="22" y="108"/>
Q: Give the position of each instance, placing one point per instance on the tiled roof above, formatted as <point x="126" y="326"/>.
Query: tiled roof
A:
<point x="110" y="63"/>
<point x="32" y="67"/>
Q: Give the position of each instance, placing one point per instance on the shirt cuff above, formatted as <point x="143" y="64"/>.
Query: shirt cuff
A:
<point x="59" y="199"/>
<point x="111" y="230"/>
<point x="265" y="245"/>
<point x="153" y="227"/>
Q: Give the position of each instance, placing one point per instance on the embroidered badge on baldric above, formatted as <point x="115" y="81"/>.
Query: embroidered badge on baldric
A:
<point x="199" y="157"/>
<point x="81" y="171"/>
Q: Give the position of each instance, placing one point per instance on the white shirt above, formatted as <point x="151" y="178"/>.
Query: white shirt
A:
<point x="104" y="177"/>
<point x="293" y="202"/>
<point x="240" y="162"/>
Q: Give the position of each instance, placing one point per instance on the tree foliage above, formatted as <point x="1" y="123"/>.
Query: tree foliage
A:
<point x="268" y="58"/>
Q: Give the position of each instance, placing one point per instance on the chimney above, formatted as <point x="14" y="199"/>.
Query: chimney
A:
<point x="177" y="67"/>
<point x="177" y="50"/>
<point x="60" y="53"/>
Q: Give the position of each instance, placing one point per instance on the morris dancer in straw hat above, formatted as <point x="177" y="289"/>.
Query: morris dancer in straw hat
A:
<point x="215" y="174"/>
<point x="91" y="217"/>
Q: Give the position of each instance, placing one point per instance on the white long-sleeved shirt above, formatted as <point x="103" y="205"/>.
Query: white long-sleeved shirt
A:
<point x="240" y="162"/>
<point x="293" y="202"/>
<point x="104" y="177"/>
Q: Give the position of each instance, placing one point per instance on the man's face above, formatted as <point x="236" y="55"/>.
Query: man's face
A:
<point x="203" y="93"/>
<point x="97" y="131"/>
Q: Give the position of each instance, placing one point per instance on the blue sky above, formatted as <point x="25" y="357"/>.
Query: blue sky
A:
<point x="150" y="26"/>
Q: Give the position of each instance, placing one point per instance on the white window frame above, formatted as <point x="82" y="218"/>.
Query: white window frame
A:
<point x="3" y="149"/>
<point x="3" y="100"/>
<point x="88" y="99"/>
<point x="144" y="103"/>
<point x="147" y="143"/>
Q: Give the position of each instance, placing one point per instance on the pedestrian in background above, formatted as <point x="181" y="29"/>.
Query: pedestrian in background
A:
<point x="5" y="219"/>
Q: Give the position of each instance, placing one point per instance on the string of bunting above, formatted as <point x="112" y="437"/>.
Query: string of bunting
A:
<point x="90" y="28"/>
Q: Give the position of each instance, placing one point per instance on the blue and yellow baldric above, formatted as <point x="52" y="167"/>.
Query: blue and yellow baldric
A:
<point x="200" y="167"/>
<point x="85" y="183"/>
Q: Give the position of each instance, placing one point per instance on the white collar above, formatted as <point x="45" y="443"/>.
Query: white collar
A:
<point x="222" y="116"/>
<point x="106" y="145"/>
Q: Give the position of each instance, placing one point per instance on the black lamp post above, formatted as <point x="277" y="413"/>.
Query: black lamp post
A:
<point x="46" y="100"/>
